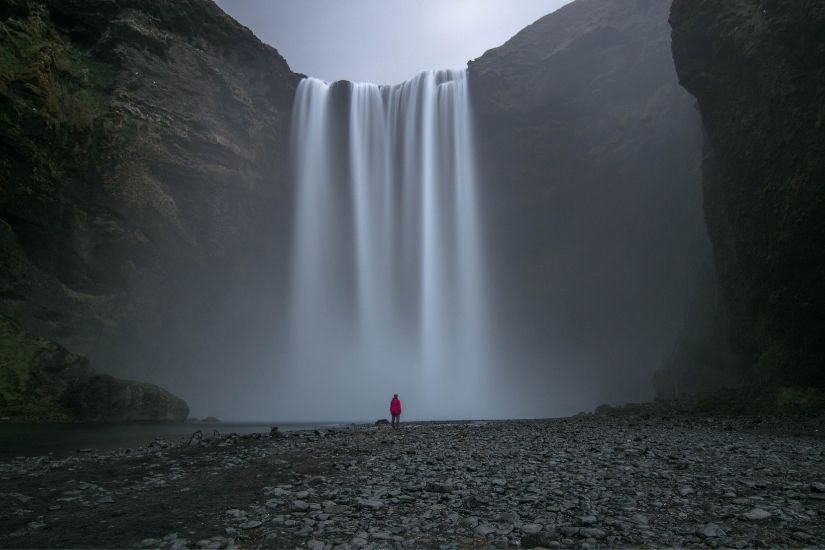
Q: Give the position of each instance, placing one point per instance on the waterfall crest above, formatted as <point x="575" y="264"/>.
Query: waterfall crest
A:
<point x="387" y="286"/>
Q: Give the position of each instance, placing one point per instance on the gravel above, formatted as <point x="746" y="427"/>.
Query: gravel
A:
<point x="577" y="482"/>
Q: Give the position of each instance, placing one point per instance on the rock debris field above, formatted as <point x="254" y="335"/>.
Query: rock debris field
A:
<point x="577" y="482"/>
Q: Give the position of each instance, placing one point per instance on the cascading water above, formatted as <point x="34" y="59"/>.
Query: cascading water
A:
<point x="387" y="292"/>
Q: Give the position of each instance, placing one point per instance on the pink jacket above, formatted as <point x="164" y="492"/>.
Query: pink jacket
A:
<point x="395" y="406"/>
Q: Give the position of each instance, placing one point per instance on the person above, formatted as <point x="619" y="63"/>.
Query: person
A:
<point x="395" y="410"/>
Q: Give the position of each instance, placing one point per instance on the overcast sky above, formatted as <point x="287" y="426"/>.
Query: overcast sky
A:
<point x="384" y="41"/>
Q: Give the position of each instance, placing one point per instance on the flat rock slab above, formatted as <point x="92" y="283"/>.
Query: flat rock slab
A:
<point x="576" y="482"/>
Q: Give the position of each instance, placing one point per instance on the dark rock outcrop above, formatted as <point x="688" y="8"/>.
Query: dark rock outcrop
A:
<point x="757" y="71"/>
<point x="591" y="154"/>
<point x="40" y="380"/>
<point x="142" y="181"/>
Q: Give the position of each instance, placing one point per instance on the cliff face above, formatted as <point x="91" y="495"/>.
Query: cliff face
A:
<point x="591" y="153"/>
<point x="756" y="70"/>
<point x="143" y="148"/>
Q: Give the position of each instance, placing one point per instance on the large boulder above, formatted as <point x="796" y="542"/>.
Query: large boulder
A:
<point x="40" y="380"/>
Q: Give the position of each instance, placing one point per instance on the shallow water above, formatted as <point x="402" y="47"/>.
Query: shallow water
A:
<point x="42" y="438"/>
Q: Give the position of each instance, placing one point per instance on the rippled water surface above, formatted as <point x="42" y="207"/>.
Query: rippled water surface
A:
<point x="34" y="438"/>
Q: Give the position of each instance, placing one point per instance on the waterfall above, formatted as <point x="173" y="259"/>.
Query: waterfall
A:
<point x="387" y="284"/>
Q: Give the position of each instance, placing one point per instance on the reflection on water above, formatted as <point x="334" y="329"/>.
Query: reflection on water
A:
<point x="34" y="439"/>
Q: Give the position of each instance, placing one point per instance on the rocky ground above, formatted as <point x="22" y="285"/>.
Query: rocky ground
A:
<point x="577" y="482"/>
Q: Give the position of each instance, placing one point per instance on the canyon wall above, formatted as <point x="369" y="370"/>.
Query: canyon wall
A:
<point x="143" y="197"/>
<point x="591" y="152"/>
<point x="756" y="70"/>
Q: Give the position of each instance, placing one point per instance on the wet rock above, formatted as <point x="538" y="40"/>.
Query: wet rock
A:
<point x="757" y="514"/>
<point x="485" y="529"/>
<point x="639" y="519"/>
<point x="531" y="528"/>
<point x="252" y="524"/>
<point x="298" y="506"/>
<point x="235" y="514"/>
<point x="711" y="530"/>
<point x="371" y="504"/>
<point x="592" y="532"/>
<point x="587" y="520"/>
<point x="569" y="530"/>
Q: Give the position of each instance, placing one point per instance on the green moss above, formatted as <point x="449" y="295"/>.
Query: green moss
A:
<point x="725" y="402"/>
<point x="67" y="82"/>
<point x="18" y="350"/>
<point x="799" y="400"/>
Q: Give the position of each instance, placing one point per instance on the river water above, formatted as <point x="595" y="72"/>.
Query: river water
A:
<point x="61" y="439"/>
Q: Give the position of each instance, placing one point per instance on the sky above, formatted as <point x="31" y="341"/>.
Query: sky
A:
<point x="384" y="41"/>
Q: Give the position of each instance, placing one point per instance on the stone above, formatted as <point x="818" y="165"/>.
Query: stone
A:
<point x="372" y="504"/>
<point x="298" y="506"/>
<point x="587" y="520"/>
<point x="569" y="530"/>
<point x="485" y="529"/>
<point x="531" y="528"/>
<point x="639" y="519"/>
<point x="757" y="514"/>
<point x="592" y="532"/>
<point x="711" y="530"/>
<point x="336" y="509"/>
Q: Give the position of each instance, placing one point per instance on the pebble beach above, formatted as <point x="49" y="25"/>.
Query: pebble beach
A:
<point x="582" y="482"/>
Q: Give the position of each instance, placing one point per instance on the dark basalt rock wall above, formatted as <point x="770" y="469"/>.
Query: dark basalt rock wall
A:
<point x="591" y="153"/>
<point x="143" y="203"/>
<point x="757" y="71"/>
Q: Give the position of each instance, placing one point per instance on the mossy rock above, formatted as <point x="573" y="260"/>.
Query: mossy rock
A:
<point x="24" y="359"/>
<point x="799" y="401"/>
<point x="40" y="380"/>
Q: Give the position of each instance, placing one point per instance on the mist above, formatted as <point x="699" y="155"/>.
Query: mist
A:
<point x="536" y="267"/>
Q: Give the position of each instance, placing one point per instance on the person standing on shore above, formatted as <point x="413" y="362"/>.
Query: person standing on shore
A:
<point x="395" y="410"/>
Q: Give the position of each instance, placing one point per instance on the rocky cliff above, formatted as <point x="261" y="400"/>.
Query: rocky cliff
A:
<point x="142" y="168"/>
<point x="757" y="71"/>
<point x="145" y="197"/>
<point x="591" y="154"/>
